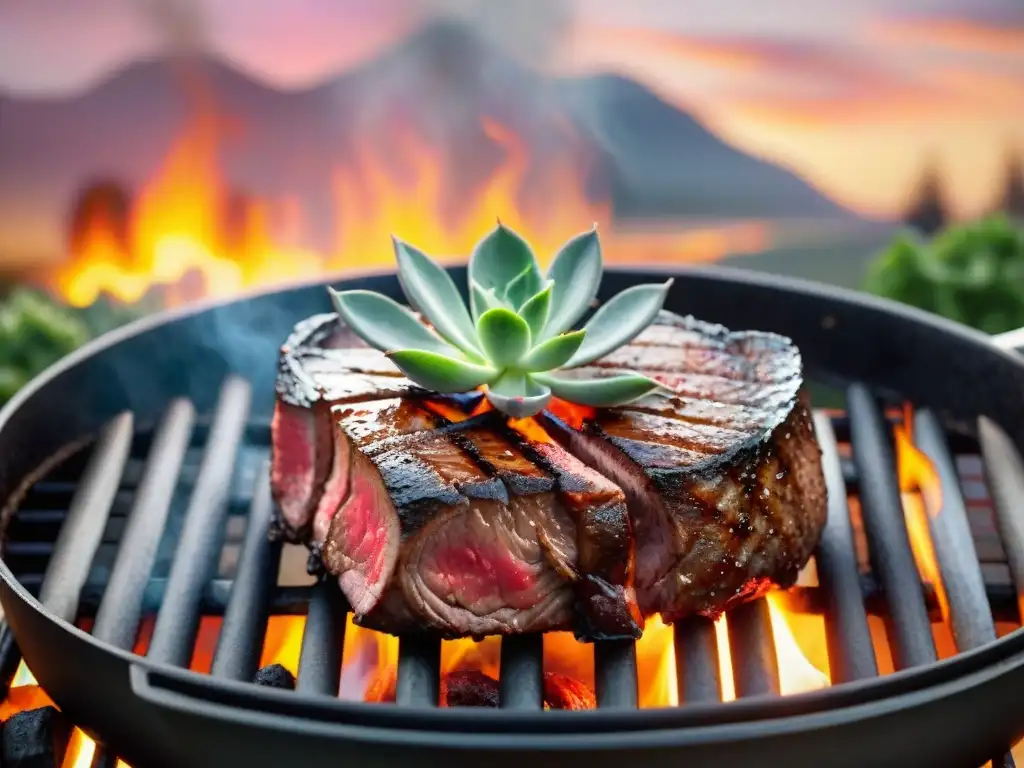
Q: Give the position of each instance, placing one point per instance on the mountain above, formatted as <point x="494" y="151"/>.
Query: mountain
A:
<point x="653" y="158"/>
<point x="664" y="161"/>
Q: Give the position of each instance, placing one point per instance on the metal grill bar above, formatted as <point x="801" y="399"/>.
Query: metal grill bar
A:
<point x="970" y="617"/>
<point x="851" y="654"/>
<point x="615" y="675"/>
<point x="82" y="531"/>
<point x="120" y="611"/>
<point x="81" y="534"/>
<point x="419" y="664"/>
<point x="969" y="614"/>
<point x="285" y="600"/>
<point x="696" y="647"/>
<point x="245" y="622"/>
<point x="755" y="667"/>
<point x="1004" y="471"/>
<point x="522" y="672"/>
<point x="908" y="624"/>
<point x="177" y="622"/>
<point x="323" y="640"/>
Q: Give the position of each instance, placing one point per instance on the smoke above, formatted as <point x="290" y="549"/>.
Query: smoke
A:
<point x="471" y="62"/>
<point x="178" y="24"/>
<point x="531" y="30"/>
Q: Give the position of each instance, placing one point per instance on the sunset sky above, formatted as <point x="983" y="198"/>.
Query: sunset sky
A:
<point x="854" y="95"/>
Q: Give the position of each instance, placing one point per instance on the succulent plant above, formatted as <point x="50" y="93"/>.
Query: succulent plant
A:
<point x="517" y="332"/>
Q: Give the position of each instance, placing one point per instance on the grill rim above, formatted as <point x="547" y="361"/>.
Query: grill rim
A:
<point x="1002" y="656"/>
<point x="986" y="663"/>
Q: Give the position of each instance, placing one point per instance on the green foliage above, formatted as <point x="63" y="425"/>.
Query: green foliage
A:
<point x="973" y="274"/>
<point x="35" y="332"/>
<point x="515" y="332"/>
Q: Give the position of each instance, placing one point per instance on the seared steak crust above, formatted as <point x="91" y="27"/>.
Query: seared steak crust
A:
<point x="322" y="364"/>
<point x="724" y="480"/>
<point x="466" y="552"/>
<point x="467" y="529"/>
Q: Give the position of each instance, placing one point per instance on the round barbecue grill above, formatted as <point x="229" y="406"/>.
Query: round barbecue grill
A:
<point x="184" y="400"/>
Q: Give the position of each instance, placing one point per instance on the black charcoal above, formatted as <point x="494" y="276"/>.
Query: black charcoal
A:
<point x="275" y="676"/>
<point x="36" y="738"/>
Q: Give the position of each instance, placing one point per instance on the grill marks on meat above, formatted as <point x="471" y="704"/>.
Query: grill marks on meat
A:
<point x="472" y="555"/>
<point x="471" y="529"/>
<point x="321" y="364"/>
<point x="605" y="556"/>
<point x="726" y="493"/>
<point x="432" y="537"/>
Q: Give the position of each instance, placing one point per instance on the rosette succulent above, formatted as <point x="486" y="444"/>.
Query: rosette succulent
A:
<point x="517" y="333"/>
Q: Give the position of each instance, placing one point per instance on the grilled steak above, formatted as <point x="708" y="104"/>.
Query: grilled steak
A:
<point x="435" y="520"/>
<point x="321" y="364"/>
<point x="469" y="529"/>
<point x="724" y="480"/>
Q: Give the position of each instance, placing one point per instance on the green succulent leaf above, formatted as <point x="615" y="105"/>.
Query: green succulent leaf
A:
<point x="518" y="395"/>
<point x="441" y="373"/>
<point x="504" y="336"/>
<point x="432" y="292"/>
<point x="523" y="287"/>
<point x="385" y="324"/>
<point x="576" y="274"/>
<point x="620" y="320"/>
<point x="553" y="353"/>
<point x="486" y="298"/>
<point x="536" y="310"/>
<point x="497" y="260"/>
<point x="599" y="393"/>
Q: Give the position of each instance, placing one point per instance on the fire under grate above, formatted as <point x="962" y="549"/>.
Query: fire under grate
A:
<point x="173" y="522"/>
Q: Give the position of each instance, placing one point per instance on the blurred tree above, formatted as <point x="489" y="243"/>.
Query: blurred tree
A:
<point x="34" y="333"/>
<point x="1013" y="195"/>
<point x="973" y="274"/>
<point x="927" y="214"/>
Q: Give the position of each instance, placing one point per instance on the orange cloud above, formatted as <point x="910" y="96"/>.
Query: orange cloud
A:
<point x="954" y="34"/>
<point x="855" y="120"/>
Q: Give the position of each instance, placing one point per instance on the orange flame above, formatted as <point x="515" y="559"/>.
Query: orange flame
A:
<point x="921" y="494"/>
<point x="188" y="234"/>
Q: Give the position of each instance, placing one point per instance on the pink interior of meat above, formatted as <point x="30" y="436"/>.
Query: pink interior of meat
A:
<point x="366" y="534"/>
<point x="477" y="573"/>
<point x="483" y="568"/>
<point x="293" y="461"/>
<point x="335" y="491"/>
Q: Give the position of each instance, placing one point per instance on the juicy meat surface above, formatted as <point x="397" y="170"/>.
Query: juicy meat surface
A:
<point x="434" y="519"/>
<point x="724" y="479"/>
<point x="463" y="529"/>
<point x="321" y="364"/>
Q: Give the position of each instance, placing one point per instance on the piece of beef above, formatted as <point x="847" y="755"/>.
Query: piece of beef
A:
<point x="322" y="363"/>
<point x="724" y="481"/>
<point x="456" y="550"/>
<point x="606" y="601"/>
<point x="469" y="529"/>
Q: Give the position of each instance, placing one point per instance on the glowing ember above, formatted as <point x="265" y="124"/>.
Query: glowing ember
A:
<point x="187" y="232"/>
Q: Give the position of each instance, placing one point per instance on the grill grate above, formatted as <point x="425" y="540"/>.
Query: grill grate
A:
<point x="193" y="587"/>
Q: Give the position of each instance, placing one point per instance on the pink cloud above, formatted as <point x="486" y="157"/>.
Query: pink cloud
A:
<point x="51" y="46"/>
